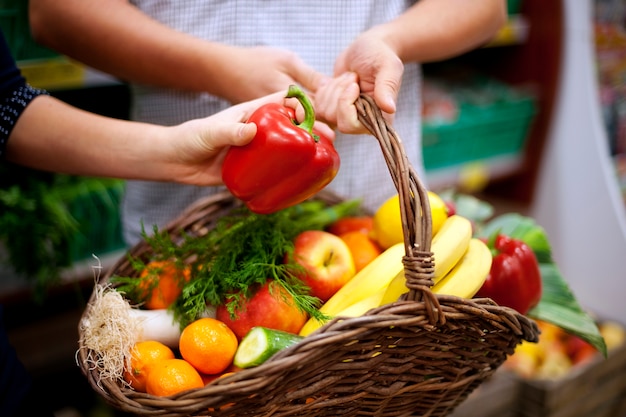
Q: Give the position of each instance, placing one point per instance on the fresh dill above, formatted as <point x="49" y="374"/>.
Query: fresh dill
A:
<point x="238" y="255"/>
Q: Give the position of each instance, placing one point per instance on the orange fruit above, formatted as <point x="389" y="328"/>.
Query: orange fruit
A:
<point x="143" y="356"/>
<point x="362" y="247"/>
<point x="162" y="283"/>
<point x="171" y="376"/>
<point x="209" y="345"/>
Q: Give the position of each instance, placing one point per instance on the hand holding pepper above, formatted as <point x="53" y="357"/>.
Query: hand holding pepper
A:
<point x="285" y="163"/>
<point x="515" y="278"/>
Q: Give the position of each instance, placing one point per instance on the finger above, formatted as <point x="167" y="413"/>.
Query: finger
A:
<point x="387" y="86"/>
<point x="305" y="75"/>
<point x="221" y="135"/>
<point x="328" y="98"/>
<point x="325" y="130"/>
<point x="347" y="117"/>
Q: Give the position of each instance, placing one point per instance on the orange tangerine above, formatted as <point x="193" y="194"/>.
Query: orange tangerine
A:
<point x="209" y="345"/>
<point x="162" y="283"/>
<point x="364" y="249"/>
<point x="171" y="376"/>
<point x="143" y="357"/>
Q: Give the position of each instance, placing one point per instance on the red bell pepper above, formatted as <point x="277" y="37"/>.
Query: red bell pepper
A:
<point x="285" y="163"/>
<point x="515" y="278"/>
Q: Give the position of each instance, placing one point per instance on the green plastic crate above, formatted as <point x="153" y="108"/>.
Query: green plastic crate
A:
<point x="482" y="131"/>
<point x="16" y="28"/>
<point x="513" y="6"/>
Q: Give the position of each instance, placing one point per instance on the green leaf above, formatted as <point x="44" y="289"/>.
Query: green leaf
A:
<point x="559" y="306"/>
<point x="469" y="206"/>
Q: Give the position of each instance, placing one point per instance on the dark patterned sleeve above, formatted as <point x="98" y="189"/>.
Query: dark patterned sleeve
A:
<point x="15" y="94"/>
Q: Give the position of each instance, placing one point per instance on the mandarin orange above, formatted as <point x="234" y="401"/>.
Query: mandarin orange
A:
<point x="209" y="345"/>
<point x="162" y="283"/>
<point x="171" y="376"/>
<point x="143" y="357"/>
<point x="363" y="248"/>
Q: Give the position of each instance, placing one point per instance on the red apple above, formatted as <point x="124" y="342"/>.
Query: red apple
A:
<point x="270" y="306"/>
<point x="327" y="262"/>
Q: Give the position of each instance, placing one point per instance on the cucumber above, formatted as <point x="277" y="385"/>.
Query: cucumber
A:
<point x="260" y="344"/>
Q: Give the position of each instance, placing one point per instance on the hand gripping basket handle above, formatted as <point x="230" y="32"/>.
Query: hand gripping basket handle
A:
<point x="414" y="209"/>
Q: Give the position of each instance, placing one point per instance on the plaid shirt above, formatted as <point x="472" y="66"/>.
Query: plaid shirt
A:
<point x="317" y="32"/>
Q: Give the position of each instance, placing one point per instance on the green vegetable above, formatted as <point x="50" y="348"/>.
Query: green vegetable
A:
<point x="260" y="344"/>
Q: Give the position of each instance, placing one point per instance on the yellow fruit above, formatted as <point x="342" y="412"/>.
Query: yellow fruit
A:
<point x="387" y="227"/>
<point x="448" y="246"/>
<point x="470" y="272"/>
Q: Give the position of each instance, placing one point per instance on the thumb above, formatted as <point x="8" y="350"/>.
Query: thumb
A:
<point x="220" y="135"/>
<point x="387" y="87"/>
<point x="245" y="132"/>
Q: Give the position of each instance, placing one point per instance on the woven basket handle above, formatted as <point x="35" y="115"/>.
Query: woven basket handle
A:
<point x="414" y="209"/>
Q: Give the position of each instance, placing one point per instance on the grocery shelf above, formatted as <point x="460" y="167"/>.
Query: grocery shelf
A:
<point x="492" y="168"/>
<point x="59" y="73"/>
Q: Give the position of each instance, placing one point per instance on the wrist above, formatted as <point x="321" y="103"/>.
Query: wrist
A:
<point x="387" y="33"/>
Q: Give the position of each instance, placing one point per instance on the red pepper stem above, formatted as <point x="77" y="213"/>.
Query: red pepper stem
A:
<point x="309" y="112"/>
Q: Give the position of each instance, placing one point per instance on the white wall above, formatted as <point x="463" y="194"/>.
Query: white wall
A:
<point x="577" y="199"/>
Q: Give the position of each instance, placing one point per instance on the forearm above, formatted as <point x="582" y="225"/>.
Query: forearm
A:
<point x="434" y="30"/>
<point x="53" y="136"/>
<point x="116" y="37"/>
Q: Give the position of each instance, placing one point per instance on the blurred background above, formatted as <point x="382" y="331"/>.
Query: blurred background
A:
<point x="534" y="122"/>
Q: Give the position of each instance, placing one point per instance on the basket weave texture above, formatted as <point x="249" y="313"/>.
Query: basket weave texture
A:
<point x="419" y="356"/>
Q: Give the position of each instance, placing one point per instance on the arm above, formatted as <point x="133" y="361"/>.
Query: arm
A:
<point x="434" y="30"/>
<point x="116" y="37"/>
<point x="54" y="136"/>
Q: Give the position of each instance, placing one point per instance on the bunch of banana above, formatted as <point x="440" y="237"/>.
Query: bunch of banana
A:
<point x="382" y="281"/>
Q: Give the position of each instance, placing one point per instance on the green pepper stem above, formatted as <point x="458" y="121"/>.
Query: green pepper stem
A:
<point x="309" y="111"/>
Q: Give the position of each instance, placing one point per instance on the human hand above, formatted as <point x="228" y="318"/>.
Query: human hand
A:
<point x="199" y="146"/>
<point x="377" y="65"/>
<point x="258" y="71"/>
<point x="334" y="103"/>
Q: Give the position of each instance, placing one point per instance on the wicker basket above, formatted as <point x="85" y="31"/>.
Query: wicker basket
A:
<point x="420" y="356"/>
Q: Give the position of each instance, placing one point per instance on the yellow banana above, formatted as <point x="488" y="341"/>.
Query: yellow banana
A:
<point x="469" y="274"/>
<point x="448" y="247"/>
<point x="450" y="243"/>
<point x="396" y="288"/>
<point x="375" y="276"/>
<point x="355" y="310"/>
